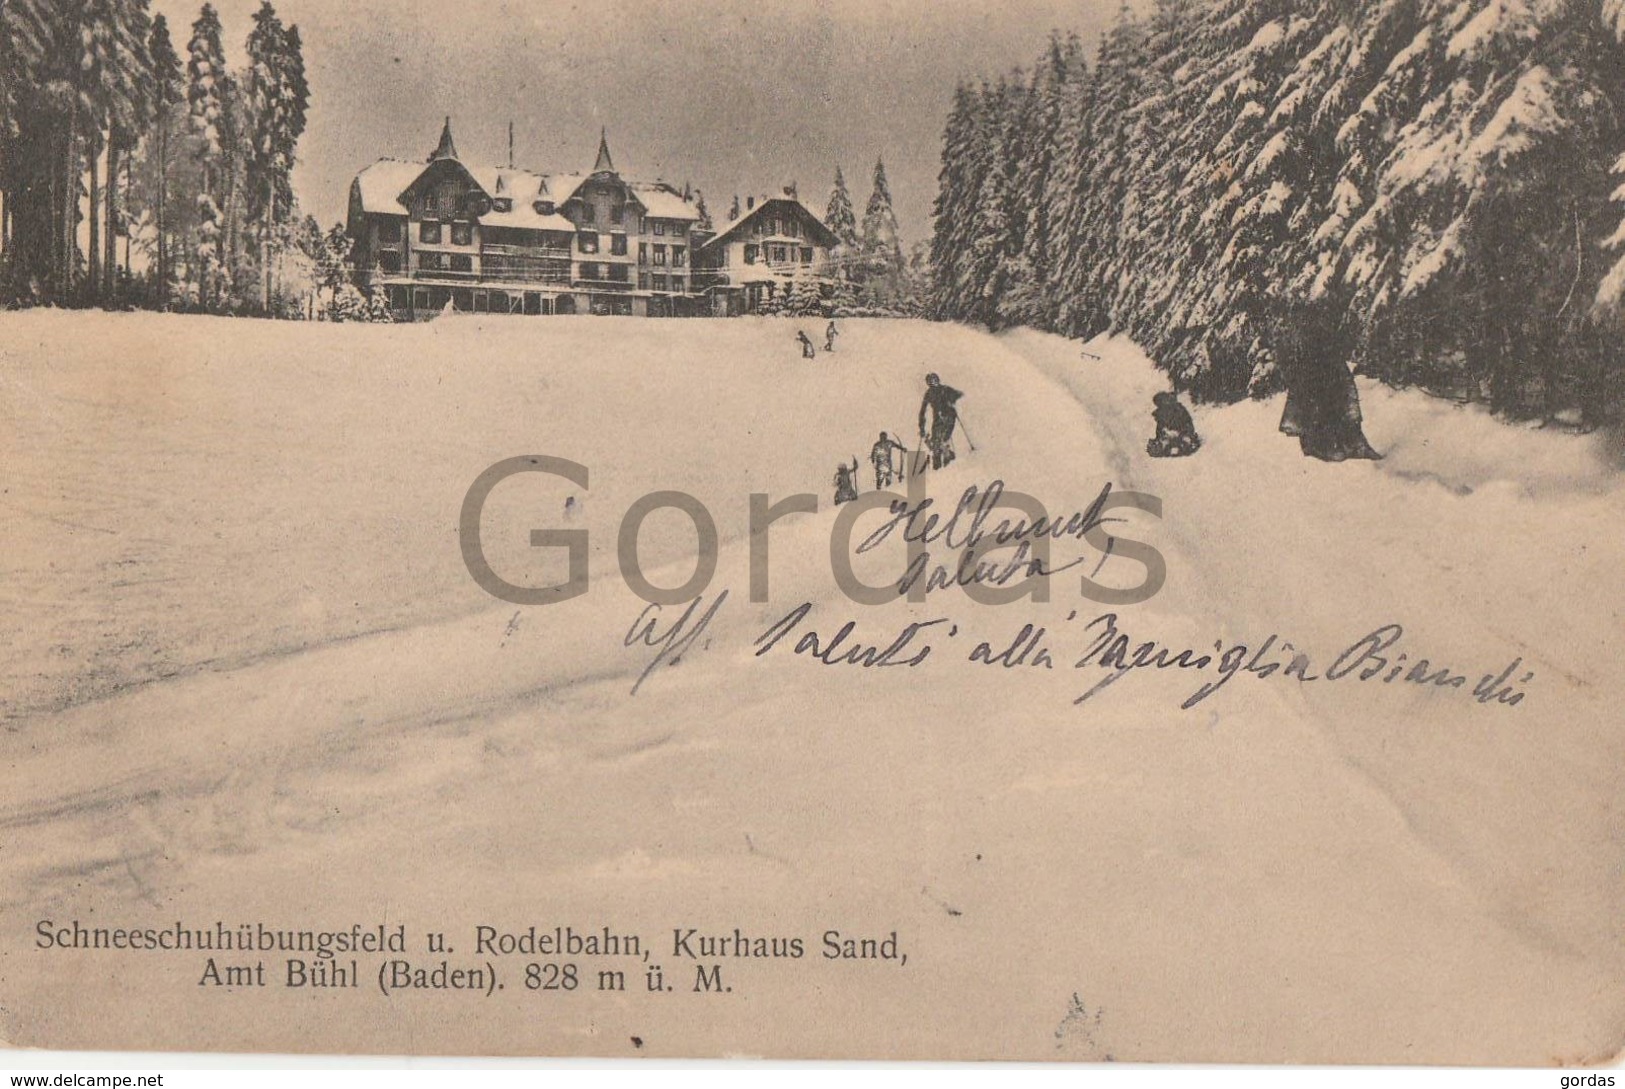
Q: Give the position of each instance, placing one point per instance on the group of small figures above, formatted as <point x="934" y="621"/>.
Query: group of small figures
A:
<point x="892" y="461"/>
<point x="808" y="351"/>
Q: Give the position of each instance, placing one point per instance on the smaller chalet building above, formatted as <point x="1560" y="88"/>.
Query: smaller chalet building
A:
<point x="509" y="241"/>
<point x="444" y="233"/>
<point x="775" y="243"/>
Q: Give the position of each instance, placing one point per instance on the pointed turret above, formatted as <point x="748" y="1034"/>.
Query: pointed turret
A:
<point x="447" y="148"/>
<point x="604" y="165"/>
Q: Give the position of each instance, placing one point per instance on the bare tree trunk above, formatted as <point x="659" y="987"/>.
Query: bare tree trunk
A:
<point x="68" y="227"/>
<point x="129" y="202"/>
<point x="93" y="259"/>
<point x="268" y="220"/>
<point x="110" y="246"/>
<point x="163" y="193"/>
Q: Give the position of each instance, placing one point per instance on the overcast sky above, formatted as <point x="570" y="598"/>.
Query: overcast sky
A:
<point x="732" y="95"/>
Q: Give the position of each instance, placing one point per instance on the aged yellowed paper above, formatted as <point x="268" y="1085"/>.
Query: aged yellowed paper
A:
<point x="850" y="530"/>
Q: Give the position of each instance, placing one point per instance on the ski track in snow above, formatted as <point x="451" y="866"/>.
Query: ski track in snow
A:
<point x="187" y="743"/>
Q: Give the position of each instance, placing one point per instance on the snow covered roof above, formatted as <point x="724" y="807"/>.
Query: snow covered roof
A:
<point x="564" y="186"/>
<point x="525" y="188"/>
<point x="663" y="202"/>
<point x="382" y="185"/>
<point x="762" y="203"/>
<point x="383" y="182"/>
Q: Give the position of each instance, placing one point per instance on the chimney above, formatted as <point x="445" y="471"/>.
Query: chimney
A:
<point x="750" y="202"/>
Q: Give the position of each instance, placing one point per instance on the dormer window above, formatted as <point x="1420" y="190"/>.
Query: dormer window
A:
<point x="503" y="204"/>
<point x="544" y="208"/>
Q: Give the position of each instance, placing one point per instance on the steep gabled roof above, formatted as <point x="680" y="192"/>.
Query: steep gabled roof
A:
<point x="382" y="184"/>
<point x="826" y="237"/>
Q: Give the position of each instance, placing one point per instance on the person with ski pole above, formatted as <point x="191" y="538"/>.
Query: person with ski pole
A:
<point x="940" y="404"/>
<point x="846" y="482"/>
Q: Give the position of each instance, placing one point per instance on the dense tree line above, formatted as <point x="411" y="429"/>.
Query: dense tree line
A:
<point x="109" y="134"/>
<point x="873" y="274"/>
<point x="1266" y="193"/>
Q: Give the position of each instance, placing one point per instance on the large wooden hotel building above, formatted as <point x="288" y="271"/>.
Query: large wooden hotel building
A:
<point x="446" y="234"/>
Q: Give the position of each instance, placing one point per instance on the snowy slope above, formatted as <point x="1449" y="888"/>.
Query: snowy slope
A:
<point x="248" y="677"/>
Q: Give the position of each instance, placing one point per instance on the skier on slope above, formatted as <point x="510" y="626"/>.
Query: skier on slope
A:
<point x="808" y="351"/>
<point x="940" y="402"/>
<point x="846" y="482"/>
<point x="1176" y="432"/>
<point x="886" y="467"/>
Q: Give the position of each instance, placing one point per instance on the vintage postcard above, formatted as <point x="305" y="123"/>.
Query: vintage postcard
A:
<point x="867" y="529"/>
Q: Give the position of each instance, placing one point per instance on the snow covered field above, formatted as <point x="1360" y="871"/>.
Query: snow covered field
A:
<point x="246" y="675"/>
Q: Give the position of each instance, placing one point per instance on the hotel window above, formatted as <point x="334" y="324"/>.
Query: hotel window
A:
<point x="429" y="232"/>
<point x="679" y="256"/>
<point x="462" y="234"/>
<point x="660" y="255"/>
<point x="779" y="257"/>
<point x="677" y="284"/>
<point x="643" y="253"/>
<point x="588" y="241"/>
<point x="589" y="214"/>
<point x="389" y="262"/>
<point x="751" y="253"/>
<point x="679" y="229"/>
<point x="806" y="255"/>
<point x="589" y="271"/>
<point x="430" y="261"/>
<point x="462" y="262"/>
<point x="791" y="227"/>
<point x="389" y="232"/>
<point x="617" y="245"/>
<point x="643" y="281"/>
<point x="660" y="283"/>
<point x="660" y="227"/>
